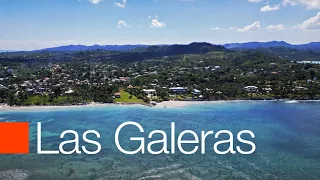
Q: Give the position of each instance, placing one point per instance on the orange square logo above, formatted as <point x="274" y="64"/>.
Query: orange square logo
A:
<point x="14" y="138"/>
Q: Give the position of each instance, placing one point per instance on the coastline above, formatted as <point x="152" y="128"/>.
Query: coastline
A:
<point x="164" y="104"/>
<point x="50" y="107"/>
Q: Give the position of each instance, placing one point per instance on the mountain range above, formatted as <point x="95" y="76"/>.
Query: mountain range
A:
<point x="315" y="46"/>
<point x="1" y="51"/>
<point x="95" y="47"/>
<point x="256" y="45"/>
<point x="247" y="45"/>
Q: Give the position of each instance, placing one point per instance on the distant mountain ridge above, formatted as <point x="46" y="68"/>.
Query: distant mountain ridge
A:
<point x="200" y="47"/>
<point x="94" y="47"/>
<point x="256" y="45"/>
<point x="2" y="51"/>
<point x="246" y="45"/>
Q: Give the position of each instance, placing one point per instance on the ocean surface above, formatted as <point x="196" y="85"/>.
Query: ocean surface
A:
<point x="309" y="62"/>
<point x="287" y="137"/>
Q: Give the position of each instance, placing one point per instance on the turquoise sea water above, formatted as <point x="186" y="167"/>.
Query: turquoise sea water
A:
<point x="287" y="140"/>
<point x="312" y="62"/>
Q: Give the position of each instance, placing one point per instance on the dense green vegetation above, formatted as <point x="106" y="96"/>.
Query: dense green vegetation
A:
<point x="126" y="97"/>
<point x="61" y="78"/>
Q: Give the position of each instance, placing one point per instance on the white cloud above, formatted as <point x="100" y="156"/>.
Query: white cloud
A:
<point x="268" y="8"/>
<point x="95" y="1"/>
<point x="252" y="27"/>
<point x="310" y="4"/>
<point x="233" y="28"/>
<point x="155" y="23"/>
<point x="121" y="5"/>
<point x="122" y="23"/>
<point x="278" y="27"/>
<point x="289" y="2"/>
<point x="217" y="28"/>
<point x="310" y="24"/>
<point x="255" y="1"/>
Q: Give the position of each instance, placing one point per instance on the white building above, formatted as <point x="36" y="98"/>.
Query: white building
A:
<point x="196" y="92"/>
<point x="150" y="91"/>
<point x="178" y="90"/>
<point x="251" y="88"/>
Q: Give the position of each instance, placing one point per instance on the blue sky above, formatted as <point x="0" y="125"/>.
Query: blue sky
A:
<point x="35" y="24"/>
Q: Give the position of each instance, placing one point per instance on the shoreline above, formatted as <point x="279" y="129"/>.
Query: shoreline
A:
<point x="164" y="104"/>
<point x="51" y="107"/>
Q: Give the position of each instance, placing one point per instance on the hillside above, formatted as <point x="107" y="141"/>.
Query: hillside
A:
<point x="167" y="50"/>
<point x="290" y="53"/>
<point x="193" y="48"/>
<point x="273" y="44"/>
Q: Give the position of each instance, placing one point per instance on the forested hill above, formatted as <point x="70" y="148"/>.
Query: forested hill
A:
<point x="290" y="54"/>
<point x="167" y="50"/>
<point x="193" y="48"/>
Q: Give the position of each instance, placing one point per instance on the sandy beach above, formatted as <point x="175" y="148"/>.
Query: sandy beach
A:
<point x="164" y="104"/>
<point x="7" y="107"/>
